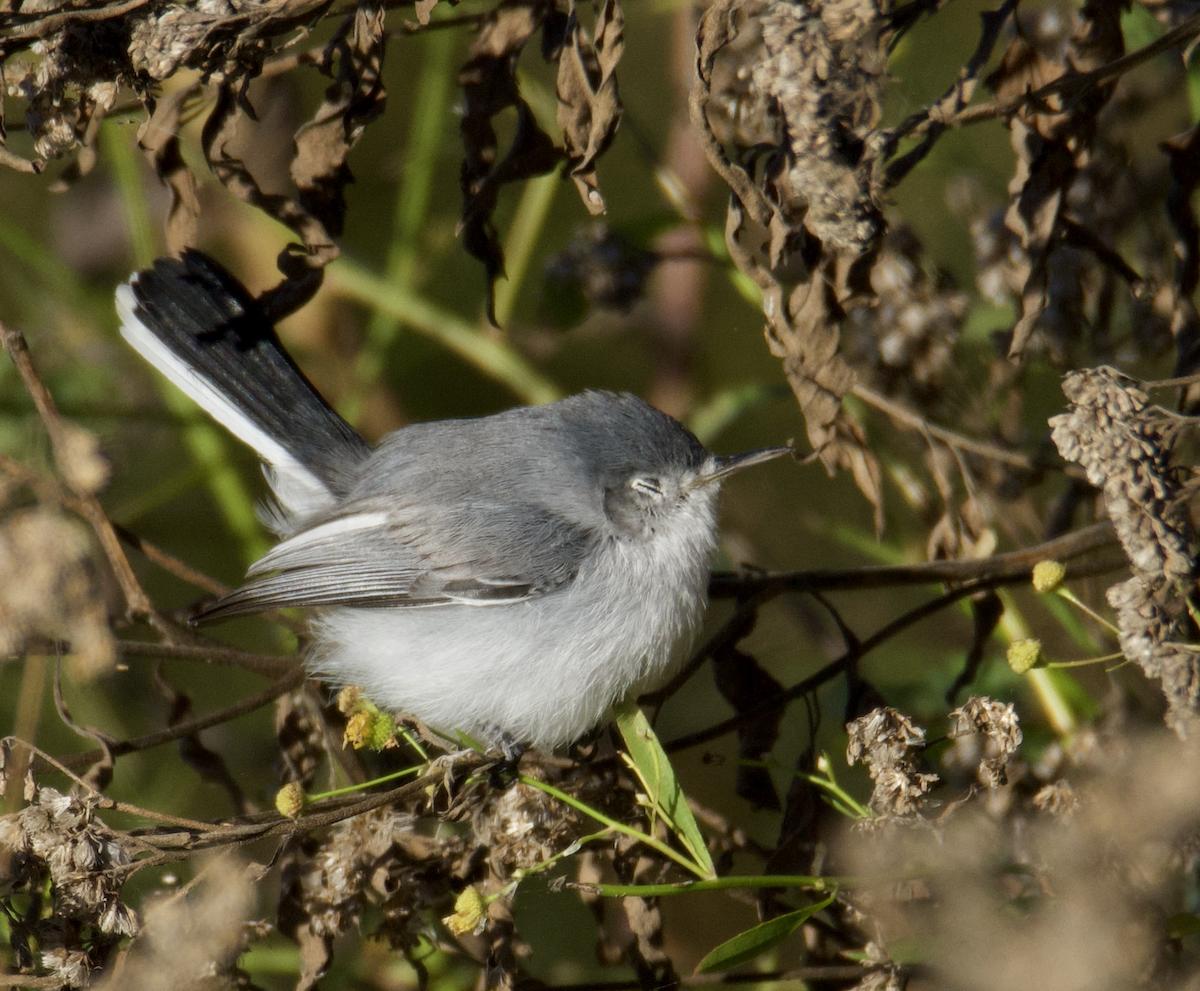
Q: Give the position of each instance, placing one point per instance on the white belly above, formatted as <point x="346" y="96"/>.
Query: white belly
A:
<point x="544" y="670"/>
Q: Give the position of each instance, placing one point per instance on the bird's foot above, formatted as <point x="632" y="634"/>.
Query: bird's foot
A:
<point x="505" y="771"/>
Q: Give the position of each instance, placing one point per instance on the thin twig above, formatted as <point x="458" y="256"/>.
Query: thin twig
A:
<point x="177" y="845"/>
<point x="907" y="417"/>
<point x="103" y="801"/>
<point x="1000" y="569"/>
<point x="195" y="725"/>
<point x="268" y="665"/>
<point x="136" y="600"/>
<point x="933" y="120"/>
<point x="816" y="973"/>
<point x="851" y="657"/>
<point x="1075" y="84"/>
<point x="50" y="491"/>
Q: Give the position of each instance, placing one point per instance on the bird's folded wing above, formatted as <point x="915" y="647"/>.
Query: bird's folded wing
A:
<point x="476" y="553"/>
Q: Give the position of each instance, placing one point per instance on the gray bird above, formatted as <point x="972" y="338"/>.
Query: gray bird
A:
<point x="511" y="577"/>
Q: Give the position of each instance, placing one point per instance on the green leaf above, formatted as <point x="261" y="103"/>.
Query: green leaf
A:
<point x="649" y="762"/>
<point x="747" y="945"/>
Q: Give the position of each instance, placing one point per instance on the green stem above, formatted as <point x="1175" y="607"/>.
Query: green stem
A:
<point x="619" y="827"/>
<point x="812" y="882"/>
<point x="490" y="356"/>
<point x="430" y="103"/>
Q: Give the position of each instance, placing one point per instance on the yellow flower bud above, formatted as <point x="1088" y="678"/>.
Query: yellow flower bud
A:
<point x="358" y="730"/>
<point x="371" y="729"/>
<point x="290" y="800"/>
<point x="1024" y="655"/>
<point x="1047" y="576"/>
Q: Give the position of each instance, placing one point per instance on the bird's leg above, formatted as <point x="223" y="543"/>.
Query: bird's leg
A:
<point x="504" y="772"/>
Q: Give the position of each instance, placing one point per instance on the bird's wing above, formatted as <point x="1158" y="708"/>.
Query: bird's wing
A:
<point x="473" y="553"/>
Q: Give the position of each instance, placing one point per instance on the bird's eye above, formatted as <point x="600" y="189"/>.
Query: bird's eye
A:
<point x="647" y="486"/>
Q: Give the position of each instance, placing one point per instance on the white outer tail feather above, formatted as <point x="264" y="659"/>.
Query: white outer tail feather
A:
<point x="299" y="492"/>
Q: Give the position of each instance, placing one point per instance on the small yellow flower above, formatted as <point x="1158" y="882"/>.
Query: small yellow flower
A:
<point x="358" y="730"/>
<point x="371" y="729"/>
<point x="470" y="908"/>
<point x="290" y="800"/>
<point x="1024" y="655"/>
<point x="1047" y="576"/>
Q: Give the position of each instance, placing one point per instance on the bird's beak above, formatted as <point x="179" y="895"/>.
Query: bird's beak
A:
<point x="721" y="465"/>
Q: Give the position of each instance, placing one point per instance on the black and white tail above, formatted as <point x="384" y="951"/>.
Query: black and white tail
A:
<point x="200" y="327"/>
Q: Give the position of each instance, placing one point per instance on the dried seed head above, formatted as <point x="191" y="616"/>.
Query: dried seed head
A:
<point x="1057" y="798"/>
<point x="997" y="722"/>
<point x="889" y="743"/>
<point x="1126" y="447"/>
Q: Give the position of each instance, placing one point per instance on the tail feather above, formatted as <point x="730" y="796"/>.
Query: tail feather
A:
<point x="199" y="326"/>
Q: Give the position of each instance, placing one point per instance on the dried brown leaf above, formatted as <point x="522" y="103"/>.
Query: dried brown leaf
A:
<point x="643" y="916"/>
<point x="489" y="84"/>
<point x="1052" y="142"/>
<point x="589" y="106"/>
<point x="1183" y="154"/>
<point x="424" y="9"/>
<point x="159" y="138"/>
<point x="744" y="684"/>
<point x="717" y="29"/>
<point x="820" y="70"/>
<point x="355" y="98"/>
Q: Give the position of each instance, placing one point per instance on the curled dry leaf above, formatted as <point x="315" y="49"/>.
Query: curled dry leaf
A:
<point x="424" y="9"/>
<point x="319" y="167"/>
<point x="589" y="107"/>
<point x="355" y="98"/>
<point x="489" y="84"/>
<point x="1051" y="143"/>
<point x="745" y="685"/>
<point x="816" y="85"/>
<point x="159" y="138"/>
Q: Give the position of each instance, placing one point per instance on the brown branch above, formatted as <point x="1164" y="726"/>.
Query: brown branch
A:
<point x="1000" y="569"/>
<point x="194" y="725"/>
<point x="816" y="973"/>
<point x="102" y="800"/>
<point x="935" y="119"/>
<point x="1071" y="85"/>
<point x="268" y="665"/>
<point x="851" y="657"/>
<point x="178" y="845"/>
